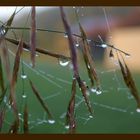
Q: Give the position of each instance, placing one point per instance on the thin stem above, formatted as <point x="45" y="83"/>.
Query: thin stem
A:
<point x="63" y="32"/>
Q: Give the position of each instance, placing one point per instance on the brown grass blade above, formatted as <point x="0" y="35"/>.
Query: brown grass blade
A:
<point x="71" y="43"/>
<point x="26" y="127"/>
<point x="1" y="78"/>
<point x="17" y="62"/>
<point x="88" y="59"/>
<point x="70" y="118"/>
<point x="33" y="35"/>
<point x="84" y="92"/>
<point x="40" y="100"/>
<point x="132" y="86"/>
<point x="14" y="127"/>
<point x="42" y="51"/>
<point x="128" y="79"/>
<point x="9" y="22"/>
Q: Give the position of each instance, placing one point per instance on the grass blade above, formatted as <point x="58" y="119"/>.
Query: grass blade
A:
<point x="9" y="22"/>
<point x="83" y="89"/>
<point x="15" y="125"/>
<point x="132" y="86"/>
<point x="70" y="117"/>
<point x="42" y="51"/>
<point x="71" y="43"/>
<point x="128" y="79"/>
<point x="33" y="35"/>
<point x="1" y="78"/>
<point x="26" y="127"/>
<point x="88" y="59"/>
<point x="40" y="100"/>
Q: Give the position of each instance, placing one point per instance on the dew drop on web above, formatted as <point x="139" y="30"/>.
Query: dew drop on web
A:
<point x="23" y="76"/>
<point x="50" y="121"/>
<point x="63" y="62"/>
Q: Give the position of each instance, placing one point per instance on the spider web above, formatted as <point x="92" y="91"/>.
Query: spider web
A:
<point x="114" y="109"/>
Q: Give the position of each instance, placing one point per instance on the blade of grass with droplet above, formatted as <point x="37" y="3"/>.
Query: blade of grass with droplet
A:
<point x="25" y="125"/>
<point x="132" y="86"/>
<point x="33" y="35"/>
<point x="88" y="58"/>
<point x="71" y="43"/>
<point x="12" y="98"/>
<point x="9" y="22"/>
<point x="6" y="61"/>
<point x="83" y="89"/>
<point x="127" y="76"/>
<point x="70" y="118"/>
<point x="42" y="51"/>
<point x="40" y="100"/>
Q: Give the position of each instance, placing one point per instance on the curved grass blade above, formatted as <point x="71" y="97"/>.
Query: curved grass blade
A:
<point x="40" y="100"/>
<point x="88" y="59"/>
<point x="70" y="116"/>
<point x="42" y="51"/>
<point x="132" y="86"/>
<point x="33" y="35"/>
<point x="15" y="125"/>
<point x="128" y="79"/>
<point x="26" y="127"/>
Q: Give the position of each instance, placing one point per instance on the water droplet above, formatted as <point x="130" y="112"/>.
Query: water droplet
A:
<point x="24" y="96"/>
<point x="23" y="76"/>
<point x="65" y="35"/>
<point x="138" y="110"/>
<point x="93" y="90"/>
<point x="104" y="45"/>
<point x="98" y="91"/>
<point x="37" y="55"/>
<point x="63" y="62"/>
<point x="51" y="121"/>
<point x="90" y="116"/>
<point x="19" y="114"/>
<point x="67" y="126"/>
<point x="88" y="66"/>
<point x="77" y="45"/>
